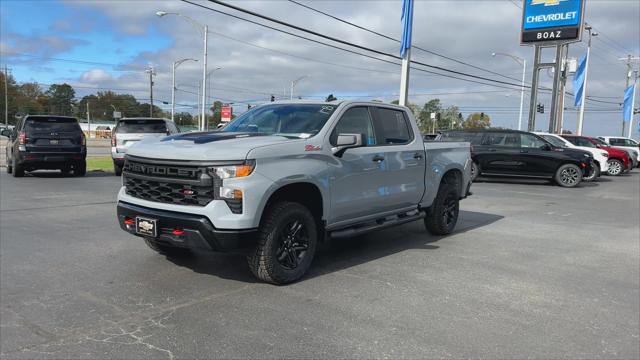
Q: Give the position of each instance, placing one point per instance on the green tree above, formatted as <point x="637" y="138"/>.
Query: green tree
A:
<point x="61" y="99"/>
<point x="424" y="117"/>
<point x="477" y="121"/>
<point x="30" y="99"/>
<point x="449" y="118"/>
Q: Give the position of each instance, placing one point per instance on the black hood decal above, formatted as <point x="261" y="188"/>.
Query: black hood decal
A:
<point x="207" y="137"/>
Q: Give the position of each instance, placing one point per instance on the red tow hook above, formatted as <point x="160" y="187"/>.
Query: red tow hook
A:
<point x="177" y="232"/>
<point x="129" y="221"/>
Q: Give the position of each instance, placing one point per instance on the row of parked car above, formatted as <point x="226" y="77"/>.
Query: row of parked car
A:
<point x="561" y="158"/>
<point x="56" y="142"/>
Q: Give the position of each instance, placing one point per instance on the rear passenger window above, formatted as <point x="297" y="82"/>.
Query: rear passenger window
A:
<point x="475" y="138"/>
<point x="502" y="139"/>
<point x="392" y="127"/>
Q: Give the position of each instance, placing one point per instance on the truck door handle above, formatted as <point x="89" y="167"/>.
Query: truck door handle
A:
<point x="417" y="156"/>
<point x="377" y="158"/>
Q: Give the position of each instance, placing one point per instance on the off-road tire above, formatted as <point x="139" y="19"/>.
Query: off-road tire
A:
<point x="166" y="250"/>
<point x="18" y="170"/>
<point x="616" y="167"/>
<point x="263" y="261"/>
<point x="568" y="175"/>
<point x="80" y="168"/>
<point x="117" y="169"/>
<point x="66" y="171"/>
<point x="442" y="216"/>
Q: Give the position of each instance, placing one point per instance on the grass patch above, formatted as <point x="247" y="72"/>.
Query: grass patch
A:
<point x="103" y="163"/>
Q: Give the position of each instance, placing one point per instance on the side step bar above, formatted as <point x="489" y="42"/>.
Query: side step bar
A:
<point x="379" y="224"/>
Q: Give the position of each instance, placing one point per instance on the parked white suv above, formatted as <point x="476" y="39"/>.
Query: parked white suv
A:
<point x="600" y="157"/>
<point x="629" y="145"/>
<point x="129" y="131"/>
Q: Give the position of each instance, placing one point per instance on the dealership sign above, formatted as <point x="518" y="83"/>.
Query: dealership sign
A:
<point x="225" y="113"/>
<point x="552" y="21"/>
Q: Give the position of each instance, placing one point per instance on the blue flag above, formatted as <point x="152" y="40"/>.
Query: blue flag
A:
<point x="627" y="108"/>
<point x="578" y="80"/>
<point x="407" y="25"/>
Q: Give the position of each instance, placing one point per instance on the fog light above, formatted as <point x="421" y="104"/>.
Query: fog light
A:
<point x="228" y="193"/>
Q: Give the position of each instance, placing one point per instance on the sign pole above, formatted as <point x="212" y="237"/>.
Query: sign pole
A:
<point x="553" y="113"/>
<point x="534" y="89"/>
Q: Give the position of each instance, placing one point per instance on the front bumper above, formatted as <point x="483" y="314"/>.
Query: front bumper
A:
<point x="198" y="232"/>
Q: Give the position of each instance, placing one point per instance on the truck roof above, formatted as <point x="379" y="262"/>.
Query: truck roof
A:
<point x="337" y="102"/>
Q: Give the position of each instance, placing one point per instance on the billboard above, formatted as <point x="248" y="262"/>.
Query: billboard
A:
<point x="225" y="113"/>
<point x="552" y="21"/>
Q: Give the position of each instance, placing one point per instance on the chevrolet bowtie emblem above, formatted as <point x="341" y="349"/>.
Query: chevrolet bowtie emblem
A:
<point x="546" y="2"/>
<point x="145" y="225"/>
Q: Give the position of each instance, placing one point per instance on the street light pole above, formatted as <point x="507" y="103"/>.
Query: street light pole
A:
<point x="205" y="30"/>
<point x="209" y="77"/>
<point x="584" y="86"/>
<point x="173" y="85"/>
<point x="293" y="84"/>
<point x="522" y="62"/>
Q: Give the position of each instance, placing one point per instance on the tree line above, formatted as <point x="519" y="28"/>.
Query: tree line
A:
<point x="60" y="99"/>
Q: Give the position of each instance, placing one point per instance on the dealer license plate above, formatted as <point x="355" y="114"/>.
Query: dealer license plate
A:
<point x="146" y="226"/>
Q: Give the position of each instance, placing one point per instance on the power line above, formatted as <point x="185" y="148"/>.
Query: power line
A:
<point x="398" y="41"/>
<point x="75" y="61"/>
<point x="340" y="41"/>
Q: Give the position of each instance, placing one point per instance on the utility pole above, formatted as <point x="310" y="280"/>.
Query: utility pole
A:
<point x="293" y="85"/>
<point x="151" y="72"/>
<point x="6" y="97"/>
<point x="88" y="120"/>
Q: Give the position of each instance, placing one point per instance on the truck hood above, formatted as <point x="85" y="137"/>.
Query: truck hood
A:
<point x="204" y="146"/>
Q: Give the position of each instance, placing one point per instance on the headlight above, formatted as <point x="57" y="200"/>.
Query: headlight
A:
<point x="605" y="154"/>
<point x="234" y="171"/>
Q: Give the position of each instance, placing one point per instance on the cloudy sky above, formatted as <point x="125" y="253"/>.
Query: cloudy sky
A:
<point x="100" y="45"/>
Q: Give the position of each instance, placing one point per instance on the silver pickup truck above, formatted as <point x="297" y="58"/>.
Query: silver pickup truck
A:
<point x="285" y="176"/>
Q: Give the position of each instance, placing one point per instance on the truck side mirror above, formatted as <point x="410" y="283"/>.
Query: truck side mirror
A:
<point x="346" y="141"/>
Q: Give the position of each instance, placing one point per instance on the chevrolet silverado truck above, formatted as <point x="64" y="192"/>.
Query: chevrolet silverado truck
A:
<point x="284" y="176"/>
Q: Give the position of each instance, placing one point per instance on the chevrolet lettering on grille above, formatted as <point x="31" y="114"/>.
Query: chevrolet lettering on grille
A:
<point x="162" y="170"/>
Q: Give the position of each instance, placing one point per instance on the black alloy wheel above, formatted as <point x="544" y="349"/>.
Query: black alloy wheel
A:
<point x="294" y="243"/>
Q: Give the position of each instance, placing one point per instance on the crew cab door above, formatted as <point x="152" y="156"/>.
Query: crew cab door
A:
<point x="377" y="177"/>
<point x="500" y="153"/>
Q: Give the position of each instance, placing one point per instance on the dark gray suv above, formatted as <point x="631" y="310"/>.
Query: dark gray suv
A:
<point x="46" y="142"/>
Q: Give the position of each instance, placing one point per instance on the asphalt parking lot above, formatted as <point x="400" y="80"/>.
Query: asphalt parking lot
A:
<point x="534" y="271"/>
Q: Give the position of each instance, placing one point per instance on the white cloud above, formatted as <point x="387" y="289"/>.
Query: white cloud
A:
<point x="95" y="76"/>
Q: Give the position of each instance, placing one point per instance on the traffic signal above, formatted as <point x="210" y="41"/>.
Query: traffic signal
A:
<point x="438" y="116"/>
<point x="460" y="116"/>
<point x="540" y="108"/>
<point x="481" y="115"/>
<point x="248" y="106"/>
<point x="273" y="98"/>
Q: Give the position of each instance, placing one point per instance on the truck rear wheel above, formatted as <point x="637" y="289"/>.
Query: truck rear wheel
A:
<point x="287" y="243"/>
<point x="80" y="168"/>
<point x="18" y="170"/>
<point x="442" y="216"/>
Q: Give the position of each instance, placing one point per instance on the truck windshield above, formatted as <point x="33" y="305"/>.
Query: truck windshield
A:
<point x="290" y="120"/>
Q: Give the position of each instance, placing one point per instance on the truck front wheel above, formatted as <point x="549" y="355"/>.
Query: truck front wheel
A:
<point x="287" y="243"/>
<point x="442" y="216"/>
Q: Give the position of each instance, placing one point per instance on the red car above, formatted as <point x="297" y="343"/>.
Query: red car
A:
<point x="618" y="159"/>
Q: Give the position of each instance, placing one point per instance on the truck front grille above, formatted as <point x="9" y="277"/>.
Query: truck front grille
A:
<point x="169" y="183"/>
<point x="168" y="192"/>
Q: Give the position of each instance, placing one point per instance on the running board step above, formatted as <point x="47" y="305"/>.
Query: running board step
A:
<point x="379" y="224"/>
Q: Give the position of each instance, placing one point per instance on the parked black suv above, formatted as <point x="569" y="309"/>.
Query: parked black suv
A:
<point x="46" y="142"/>
<point x="521" y="154"/>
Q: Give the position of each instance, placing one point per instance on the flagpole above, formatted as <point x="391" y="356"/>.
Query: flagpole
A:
<point x="404" y="79"/>
<point x="405" y="50"/>
<point x="633" y="103"/>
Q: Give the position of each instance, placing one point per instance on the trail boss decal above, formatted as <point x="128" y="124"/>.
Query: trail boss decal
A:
<point x="312" y="148"/>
